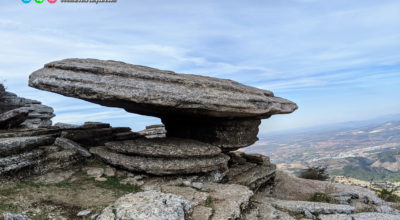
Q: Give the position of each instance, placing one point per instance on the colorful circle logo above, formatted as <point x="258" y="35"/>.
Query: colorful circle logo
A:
<point x="52" y="1"/>
<point x="39" y="1"/>
<point x="26" y="1"/>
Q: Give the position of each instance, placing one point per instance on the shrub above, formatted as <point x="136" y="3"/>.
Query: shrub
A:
<point x="323" y="197"/>
<point x="315" y="173"/>
<point x="388" y="194"/>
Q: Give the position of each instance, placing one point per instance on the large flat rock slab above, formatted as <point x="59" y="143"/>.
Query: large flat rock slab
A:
<point x="162" y="166"/>
<point x="149" y="91"/>
<point x="164" y="147"/>
<point x="11" y="146"/>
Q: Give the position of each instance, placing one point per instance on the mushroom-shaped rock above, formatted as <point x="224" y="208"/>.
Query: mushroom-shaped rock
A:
<point x="214" y="108"/>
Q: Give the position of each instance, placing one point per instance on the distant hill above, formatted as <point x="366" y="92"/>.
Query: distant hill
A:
<point x="366" y="152"/>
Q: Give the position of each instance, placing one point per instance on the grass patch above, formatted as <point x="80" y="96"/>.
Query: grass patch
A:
<point x="323" y="197"/>
<point x="41" y="216"/>
<point x="113" y="183"/>
<point x="8" y="207"/>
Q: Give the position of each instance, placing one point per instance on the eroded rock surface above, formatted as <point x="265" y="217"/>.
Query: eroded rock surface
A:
<point x="164" y="147"/>
<point x="149" y="91"/>
<point x="162" y="166"/>
<point x="147" y="205"/>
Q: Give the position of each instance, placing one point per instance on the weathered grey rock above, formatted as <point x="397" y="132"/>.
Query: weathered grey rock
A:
<point x="251" y="170"/>
<point x="228" y="200"/>
<point x="344" y="197"/>
<point x="68" y="144"/>
<point x="19" y="161"/>
<point x="315" y="208"/>
<point x="216" y="111"/>
<point x="154" y="131"/>
<point x="89" y="137"/>
<point x="265" y="212"/>
<point x="146" y="206"/>
<point x="39" y="115"/>
<point x="164" y="147"/>
<point x="10" y="146"/>
<point x="65" y="125"/>
<point x="9" y="216"/>
<point x="162" y="166"/>
<point x="84" y="213"/>
<point x="13" y="118"/>
<point x="154" y="92"/>
<point x="29" y="132"/>
<point x="95" y="171"/>
<point x="228" y="134"/>
<point x="360" y="216"/>
<point x="335" y="217"/>
<point x="374" y="216"/>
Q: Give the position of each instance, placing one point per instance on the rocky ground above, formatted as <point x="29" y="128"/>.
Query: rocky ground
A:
<point x="94" y="190"/>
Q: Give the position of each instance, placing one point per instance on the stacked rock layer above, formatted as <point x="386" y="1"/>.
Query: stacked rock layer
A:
<point x="31" y="112"/>
<point x="204" y="117"/>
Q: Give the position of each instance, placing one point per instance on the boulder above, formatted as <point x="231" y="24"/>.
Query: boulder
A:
<point x="147" y="205"/>
<point x="13" y="118"/>
<point x="164" y="147"/>
<point x="162" y="166"/>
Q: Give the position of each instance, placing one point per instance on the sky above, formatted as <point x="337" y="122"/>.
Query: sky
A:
<point x="338" y="60"/>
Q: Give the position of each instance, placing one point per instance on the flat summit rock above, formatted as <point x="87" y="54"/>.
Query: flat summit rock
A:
<point x="154" y="92"/>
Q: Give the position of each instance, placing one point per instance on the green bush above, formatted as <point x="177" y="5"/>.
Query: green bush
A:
<point x="315" y="173"/>
<point x="323" y="197"/>
<point x="388" y="194"/>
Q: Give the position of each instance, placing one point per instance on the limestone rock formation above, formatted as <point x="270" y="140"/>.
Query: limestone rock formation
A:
<point x="13" y="118"/>
<point x="39" y="115"/>
<point x="154" y="92"/>
<point x="217" y="111"/>
<point x="252" y="170"/>
<point x="161" y="165"/>
<point x="147" y="205"/>
<point x="164" y="147"/>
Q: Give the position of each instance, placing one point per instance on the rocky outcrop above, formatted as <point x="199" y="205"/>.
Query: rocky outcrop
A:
<point x="252" y="170"/>
<point x="147" y="205"/>
<point x="39" y="115"/>
<point x="149" y="91"/>
<point x="216" y="111"/>
<point x="162" y="166"/>
<point x="164" y="148"/>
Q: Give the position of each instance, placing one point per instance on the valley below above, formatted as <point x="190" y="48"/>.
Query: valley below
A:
<point x="366" y="153"/>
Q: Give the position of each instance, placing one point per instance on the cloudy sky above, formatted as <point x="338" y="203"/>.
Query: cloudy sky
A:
<point x="338" y="60"/>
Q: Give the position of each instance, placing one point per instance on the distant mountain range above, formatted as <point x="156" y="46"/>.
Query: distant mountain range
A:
<point x="363" y="150"/>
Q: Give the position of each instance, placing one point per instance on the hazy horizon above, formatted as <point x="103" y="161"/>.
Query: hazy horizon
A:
<point x="338" y="61"/>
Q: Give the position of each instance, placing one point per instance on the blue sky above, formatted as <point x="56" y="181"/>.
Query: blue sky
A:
<point x="338" y="60"/>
